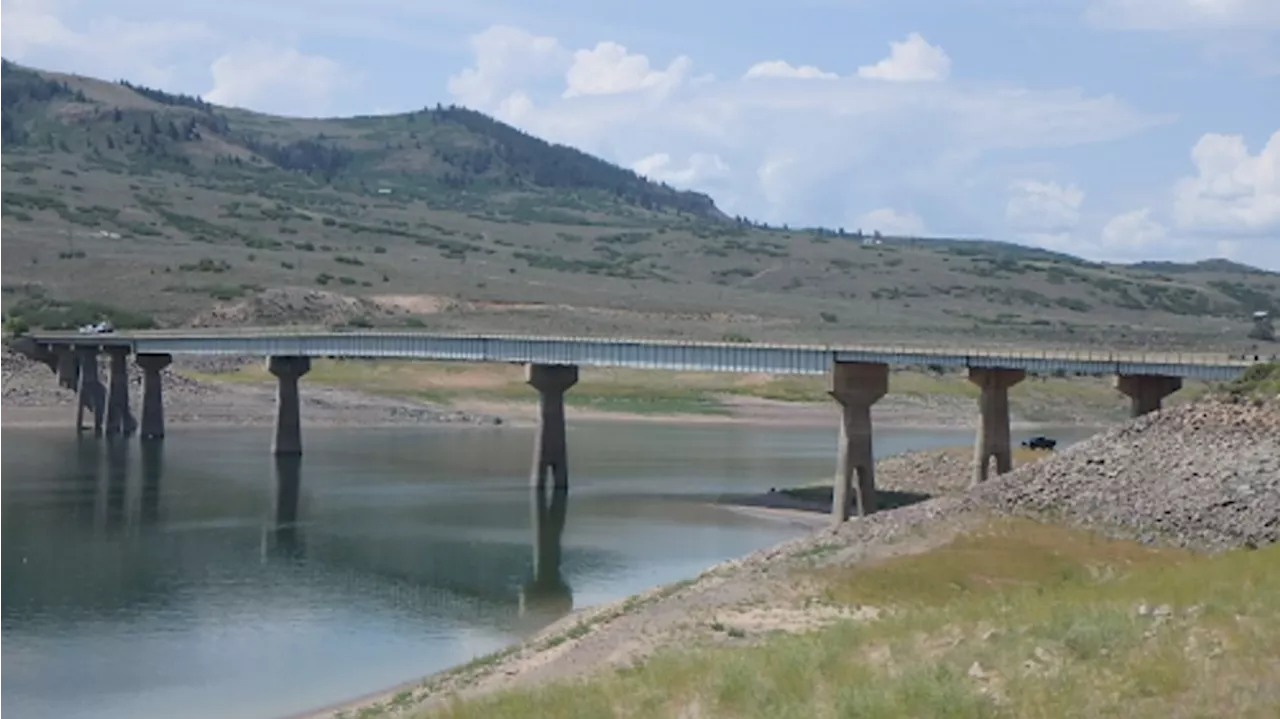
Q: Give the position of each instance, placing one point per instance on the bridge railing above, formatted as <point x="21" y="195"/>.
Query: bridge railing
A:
<point x="374" y="343"/>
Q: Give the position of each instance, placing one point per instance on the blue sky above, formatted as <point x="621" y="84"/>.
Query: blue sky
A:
<point x="1113" y="129"/>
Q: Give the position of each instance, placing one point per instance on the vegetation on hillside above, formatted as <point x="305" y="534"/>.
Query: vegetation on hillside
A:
<point x="166" y="205"/>
<point x="51" y="314"/>
<point x="1261" y="380"/>
<point x="452" y="147"/>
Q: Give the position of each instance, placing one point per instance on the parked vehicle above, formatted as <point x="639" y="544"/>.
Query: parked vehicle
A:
<point x="103" y="327"/>
<point x="1039" y="442"/>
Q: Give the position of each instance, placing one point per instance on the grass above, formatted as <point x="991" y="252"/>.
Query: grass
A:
<point x="1260" y="380"/>
<point x="1016" y="619"/>
<point x="658" y="392"/>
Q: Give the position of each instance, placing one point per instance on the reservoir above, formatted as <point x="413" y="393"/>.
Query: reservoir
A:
<point x="198" y="577"/>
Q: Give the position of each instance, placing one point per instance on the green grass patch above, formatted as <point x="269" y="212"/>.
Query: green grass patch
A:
<point x="51" y="314"/>
<point x="1017" y="619"/>
<point x="1260" y="380"/>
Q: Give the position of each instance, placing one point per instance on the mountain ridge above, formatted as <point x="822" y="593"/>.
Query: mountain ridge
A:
<point x="162" y="207"/>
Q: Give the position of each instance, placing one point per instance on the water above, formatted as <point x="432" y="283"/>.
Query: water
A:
<point x="204" y="579"/>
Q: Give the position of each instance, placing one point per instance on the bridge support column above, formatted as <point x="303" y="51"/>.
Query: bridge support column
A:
<point x="288" y="434"/>
<point x="153" y="394"/>
<point x="993" y="428"/>
<point x="551" y="450"/>
<point x="856" y="386"/>
<point x="1146" y="391"/>
<point x="68" y="367"/>
<point x="118" y="419"/>
<point x="90" y="394"/>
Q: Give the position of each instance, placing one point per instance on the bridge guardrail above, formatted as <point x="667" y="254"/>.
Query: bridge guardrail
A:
<point x="633" y="352"/>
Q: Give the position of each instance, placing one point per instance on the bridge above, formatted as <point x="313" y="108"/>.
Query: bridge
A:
<point x="859" y="377"/>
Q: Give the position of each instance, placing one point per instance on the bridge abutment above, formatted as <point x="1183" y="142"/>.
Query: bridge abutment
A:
<point x="856" y="386"/>
<point x="993" y="440"/>
<point x="90" y="394"/>
<point x="118" y="392"/>
<point x="551" y="449"/>
<point x="288" y="430"/>
<point x="153" y="394"/>
<point x="1146" y="392"/>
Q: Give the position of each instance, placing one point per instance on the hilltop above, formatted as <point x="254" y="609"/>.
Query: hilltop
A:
<point x="162" y="209"/>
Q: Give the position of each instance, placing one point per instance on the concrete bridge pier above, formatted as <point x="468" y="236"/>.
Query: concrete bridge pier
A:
<point x="119" y="420"/>
<point x="993" y="438"/>
<point x="90" y="394"/>
<point x="551" y="449"/>
<point x="68" y="368"/>
<point x="288" y="430"/>
<point x="1146" y="391"/>
<point x="153" y="394"/>
<point x="856" y="386"/>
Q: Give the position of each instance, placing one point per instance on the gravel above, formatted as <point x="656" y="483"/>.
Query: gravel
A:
<point x="1204" y="476"/>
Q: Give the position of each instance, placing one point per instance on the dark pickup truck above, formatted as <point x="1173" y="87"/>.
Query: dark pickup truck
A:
<point x="1040" y="443"/>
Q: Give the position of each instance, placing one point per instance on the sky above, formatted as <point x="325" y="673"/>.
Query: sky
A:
<point x="1111" y="129"/>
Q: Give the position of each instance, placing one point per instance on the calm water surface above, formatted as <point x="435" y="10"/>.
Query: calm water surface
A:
<point x="204" y="579"/>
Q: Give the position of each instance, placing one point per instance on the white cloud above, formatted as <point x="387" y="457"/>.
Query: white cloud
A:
<point x="608" y="69"/>
<point x="506" y="58"/>
<point x="889" y="221"/>
<point x="34" y="31"/>
<point x="1133" y="233"/>
<point x="31" y="25"/>
<point x="700" y="168"/>
<point x="1232" y="191"/>
<point x="1192" y="15"/>
<point x="912" y="60"/>
<point x="1125" y="237"/>
<point x="784" y="69"/>
<point x="279" y="80"/>
<point x="1043" y="206"/>
<point x="800" y="149"/>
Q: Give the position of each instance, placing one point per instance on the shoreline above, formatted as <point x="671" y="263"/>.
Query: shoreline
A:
<point x="202" y="404"/>
<point x="810" y="519"/>
<point x="943" y="470"/>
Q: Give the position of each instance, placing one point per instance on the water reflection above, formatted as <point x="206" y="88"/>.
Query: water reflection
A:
<point x="542" y="598"/>
<point x="546" y="596"/>
<point x="200" y="577"/>
<point x="114" y="484"/>
<point x="152" y="467"/>
<point x="282" y="539"/>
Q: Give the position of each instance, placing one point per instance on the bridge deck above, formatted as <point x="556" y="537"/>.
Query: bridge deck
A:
<point x="639" y="353"/>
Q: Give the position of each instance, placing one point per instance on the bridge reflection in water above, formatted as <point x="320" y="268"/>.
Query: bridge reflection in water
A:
<point x="108" y="503"/>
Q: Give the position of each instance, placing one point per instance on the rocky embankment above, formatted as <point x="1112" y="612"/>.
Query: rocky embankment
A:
<point x="32" y="396"/>
<point x="1204" y="476"/>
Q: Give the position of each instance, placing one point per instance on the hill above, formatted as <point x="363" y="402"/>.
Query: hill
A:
<point x="158" y="208"/>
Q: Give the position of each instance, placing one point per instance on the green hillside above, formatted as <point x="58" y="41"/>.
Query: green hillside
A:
<point x="163" y="209"/>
